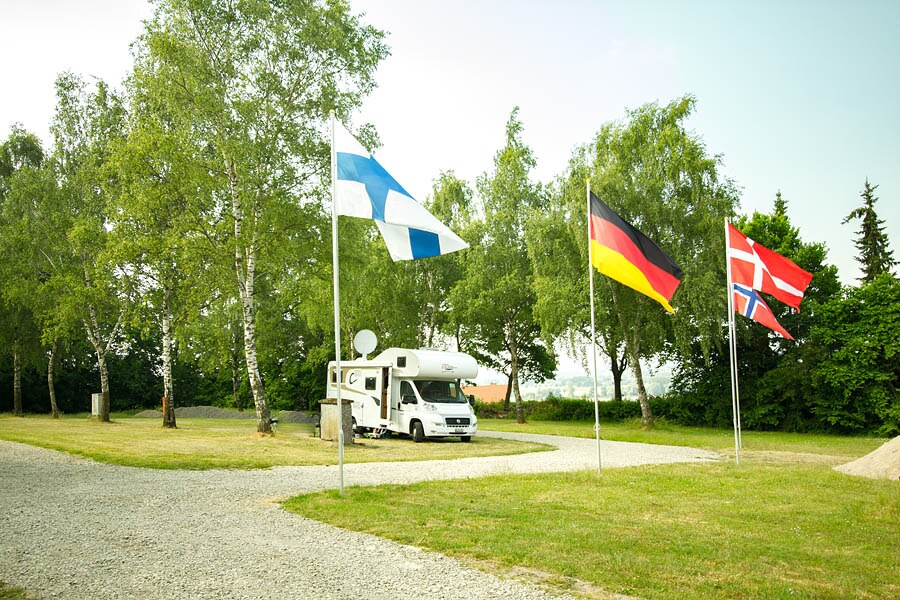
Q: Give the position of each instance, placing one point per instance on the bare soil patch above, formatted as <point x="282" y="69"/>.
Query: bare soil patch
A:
<point x="881" y="463"/>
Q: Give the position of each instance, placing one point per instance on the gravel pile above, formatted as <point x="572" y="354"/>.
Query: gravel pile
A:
<point x="200" y="412"/>
<point x="72" y="528"/>
<point x="298" y="416"/>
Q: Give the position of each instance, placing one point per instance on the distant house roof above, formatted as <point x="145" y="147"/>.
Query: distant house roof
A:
<point x="487" y="393"/>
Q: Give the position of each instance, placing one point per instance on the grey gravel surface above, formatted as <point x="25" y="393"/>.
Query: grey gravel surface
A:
<point x="73" y="528"/>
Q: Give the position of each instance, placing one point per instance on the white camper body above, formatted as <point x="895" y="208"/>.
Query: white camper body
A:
<point x="414" y="392"/>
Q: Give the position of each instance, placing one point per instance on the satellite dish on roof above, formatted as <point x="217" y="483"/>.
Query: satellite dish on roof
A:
<point x="365" y="341"/>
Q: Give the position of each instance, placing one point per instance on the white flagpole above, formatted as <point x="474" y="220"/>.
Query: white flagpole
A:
<point x="732" y="351"/>
<point x="337" y="308"/>
<point x="593" y="330"/>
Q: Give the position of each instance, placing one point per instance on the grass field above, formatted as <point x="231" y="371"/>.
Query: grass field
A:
<point x="12" y="593"/>
<point x="226" y="443"/>
<point x="783" y="524"/>
<point x="720" y="440"/>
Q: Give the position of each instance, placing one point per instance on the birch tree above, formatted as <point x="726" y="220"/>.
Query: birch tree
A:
<point x="20" y="155"/>
<point x="251" y="85"/>
<point x="88" y="289"/>
<point x="659" y="177"/>
<point x="495" y="299"/>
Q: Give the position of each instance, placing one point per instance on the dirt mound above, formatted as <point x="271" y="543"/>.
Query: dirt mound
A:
<point x="298" y="416"/>
<point x="882" y="463"/>
<point x="201" y="412"/>
<point x="150" y="414"/>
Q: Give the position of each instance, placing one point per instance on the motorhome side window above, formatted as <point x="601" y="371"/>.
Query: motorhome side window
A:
<point x="407" y="393"/>
<point x="370" y="383"/>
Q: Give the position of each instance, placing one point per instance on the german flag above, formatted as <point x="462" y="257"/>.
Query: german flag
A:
<point x="621" y="252"/>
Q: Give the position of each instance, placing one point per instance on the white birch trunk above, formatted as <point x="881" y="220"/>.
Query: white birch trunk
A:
<point x="17" y="380"/>
<point x="514" y="377"/>
<point x="245" y="270"/>
<point x="100" y="349"/>
<point x="646" y="413"/>
<point x="168" y="388"/>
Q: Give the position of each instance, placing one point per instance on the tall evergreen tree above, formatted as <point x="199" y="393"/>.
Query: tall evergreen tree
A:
<point x="872" y="242"/>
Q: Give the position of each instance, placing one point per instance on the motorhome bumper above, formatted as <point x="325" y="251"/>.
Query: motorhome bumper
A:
<point x="439" y="430"/>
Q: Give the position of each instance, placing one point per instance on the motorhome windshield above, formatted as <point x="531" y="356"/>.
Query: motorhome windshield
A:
<point x="441" y="391"/>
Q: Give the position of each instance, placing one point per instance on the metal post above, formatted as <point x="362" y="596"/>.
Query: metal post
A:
<point x="732" y="351"/>
<point x="593" y="330"/>
<point x="337" y="308"/>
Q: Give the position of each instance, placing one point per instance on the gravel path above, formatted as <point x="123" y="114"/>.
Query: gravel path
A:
<point x="75" y="529"/>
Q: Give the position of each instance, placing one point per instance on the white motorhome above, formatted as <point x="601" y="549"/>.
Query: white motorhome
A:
<point x="413" y="392"/>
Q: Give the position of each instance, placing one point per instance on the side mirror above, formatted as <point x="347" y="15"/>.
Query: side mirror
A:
<point x="472" y="399"/>
<point x="409" y="400"/>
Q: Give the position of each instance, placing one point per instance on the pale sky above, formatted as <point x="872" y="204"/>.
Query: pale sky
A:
<point x="797" y="96"/>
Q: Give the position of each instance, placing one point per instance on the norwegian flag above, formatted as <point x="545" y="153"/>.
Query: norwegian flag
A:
<point x="755" y="266"/>
<point x="749" y="303"/>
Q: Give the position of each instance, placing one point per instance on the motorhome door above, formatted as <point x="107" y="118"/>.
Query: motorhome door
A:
<point x="385" y="396"/>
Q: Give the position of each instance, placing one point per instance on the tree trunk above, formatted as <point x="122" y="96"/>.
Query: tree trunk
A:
<point x="235" y="355"/>
<point x="236" y="382"/>
<point x="168" y="387"/>
<point x="618" y="367"/>
<point x="245" y="271"/>
<point x="263" y="425"/>
<point x="633" y="351"/>
<point x="100" y="349"/>
<point x="646" y="413"/>
<point x="104" y="386"/>
<point x="54" y="409"/>
<point x="17" y="381"/>
<point x="509" y="387"/>
<point x="514" y="376"/>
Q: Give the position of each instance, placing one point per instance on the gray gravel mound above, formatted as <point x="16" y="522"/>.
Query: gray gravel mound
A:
<point x="298" y="416"/>
<point x="201" y="412"/>
<point x="151" y="414"/>
<point x="76" y="529"/>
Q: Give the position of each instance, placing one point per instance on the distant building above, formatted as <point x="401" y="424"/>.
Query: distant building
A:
<point x="486" y="393"/>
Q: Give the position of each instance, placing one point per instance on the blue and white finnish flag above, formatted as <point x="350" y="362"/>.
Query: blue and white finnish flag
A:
<point x="364" y="189"/>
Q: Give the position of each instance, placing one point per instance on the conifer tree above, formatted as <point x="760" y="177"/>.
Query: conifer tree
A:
<point x="872" y="243"/>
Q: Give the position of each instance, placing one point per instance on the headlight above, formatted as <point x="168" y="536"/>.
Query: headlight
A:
<point x="430" y="407"/>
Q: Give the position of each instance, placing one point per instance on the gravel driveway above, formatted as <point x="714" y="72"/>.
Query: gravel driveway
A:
<point x="73" y="528"/>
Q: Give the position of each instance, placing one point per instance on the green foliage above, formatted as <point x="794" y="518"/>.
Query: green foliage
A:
<point x="495" y="299"/>
<point x="657" y="175"/>
<point x="560" y="409"/>
<point x="858" y="368"/>
<point x="874" y="254"/>
<point x="775" y="375"/>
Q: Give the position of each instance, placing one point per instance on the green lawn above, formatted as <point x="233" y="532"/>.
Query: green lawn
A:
<point x="782" y="524"/>
<point x="226" y="443"/>
<point x="720" y="440"/>
<point x="13" y="593"/>
<point x="763" y="529"/>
